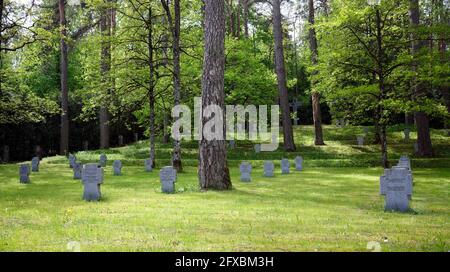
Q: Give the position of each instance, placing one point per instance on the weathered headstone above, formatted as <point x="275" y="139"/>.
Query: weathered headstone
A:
<point x="257" y="148"/>
<point x="285" y="164"/>
<point x="117" y="166"/>
<point x="404" y="161"/>
<point x="35" y="164"/>
<point x="396" y="186"/>
<point x="407" y="133"/>
<point x="5" y="153"/>
<point x="299" y="163"/>
<point x="103" y="160"/>
<point x="148" y="165"/>
<point x="360" y="140"/>
<point x="120" y="140"/>
<point x="136" y="137"/>
<point x="72" y="160"/>
<point x="269" y="168"/>
<point x="24" y="172"/>
<point x="92" y="176"/>
<point x="246" y="171"/>
<point x="232" y="144"/>
<point x="168" y="177"/>
<point x="77" y="170"/>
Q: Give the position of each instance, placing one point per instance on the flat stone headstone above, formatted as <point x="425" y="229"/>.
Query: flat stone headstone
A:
<point x="360" y="140"/>
<point x="246" y="172"/>
<point x="92" y="176"/>
<point x="72" y="160"/>
<point x="120" y="138"/>
<point x="103" y="160"/>
<point x="148" y="165"/>
<point x="35" y="164"/>
<point x="117" y="166"/>
<point x="77" y="170"/>
<point x="285" y="165"/>
<point x="5" y="153"/>
<point x="24" y="172"/>
<point x="407" y="133"/>
<point x="396" y="186"/>
<point x="257" y="148"/>
<point x="269" y="168"/>
<point x="299" y="163"/>
<point x="168" y="177"/>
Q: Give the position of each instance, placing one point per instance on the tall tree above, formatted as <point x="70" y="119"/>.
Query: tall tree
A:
<point x="213" y="167"/>
<point x="280" y="68"/>
<point x="317" y="114"/>
<point x="418" y="88"/>
<point x="64" y="141"/>
<point x="175" y="28"/>
<point x="105" y="67"/>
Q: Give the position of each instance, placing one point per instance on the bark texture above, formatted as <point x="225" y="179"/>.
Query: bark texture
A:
<point x="64" y="141"/>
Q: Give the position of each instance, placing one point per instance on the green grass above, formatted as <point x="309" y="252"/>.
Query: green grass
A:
<point x="333" y="205"/>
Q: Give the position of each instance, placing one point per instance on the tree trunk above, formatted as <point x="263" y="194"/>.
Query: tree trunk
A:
<point x="421" y="118"/>
<point x="245" y="14"/>
<point x="317" y="114"/>
<point x="151" y="85"/>
<point x="64" y="141"/>
<point x="281" y="76"/>
<point x="105" y="66"/>
<point x="443" y="51"/>
<point x="213" y="167"/>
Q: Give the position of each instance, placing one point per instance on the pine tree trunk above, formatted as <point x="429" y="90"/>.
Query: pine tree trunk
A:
<point x="64" y="141"/>
<point x="105" y="66"/>
<point x="281" y="76"/>
<point x="421" y="118"/>
<point x="151" y="86"/>
<point x="213" y="167"/>
<point x="246" y="10"/>
<point x="317" y="114"/>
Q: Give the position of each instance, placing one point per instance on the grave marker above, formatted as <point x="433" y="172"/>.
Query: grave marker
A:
<point x="24" y="172"/>
<point x="257" y="148"/>
<point x="117" y="166"/>
<point x="168" y="176"/>
<point x="360" y="140"/>
<point x="103" y="160"/>
<point x="77" y="170"/>
<point x="92" y="176"/>
<point x="285" y="164"/>
<point x="269" y="168"/>
<point x="120" y="140"/>
<point x="72" y="160"/>
<point x="396" y="186"/>
<point x="299" y="163"/>
<point x="35" y="164"/>
<point x="246" y="171"/>
<point x="148" y="165"/>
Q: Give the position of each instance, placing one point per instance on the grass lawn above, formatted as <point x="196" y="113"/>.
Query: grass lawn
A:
<point x="333" y="205"/>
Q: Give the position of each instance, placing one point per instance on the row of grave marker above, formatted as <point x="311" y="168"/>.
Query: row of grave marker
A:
<point x="269" y="168"/>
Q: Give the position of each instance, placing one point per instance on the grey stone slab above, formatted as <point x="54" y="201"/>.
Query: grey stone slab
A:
<point x="24" y="173"/>
<point x="360" y="140"/>
<point x="117" y="168"/>
<point x="72" y="160"/>
<point x="35" y="164"/>
<point x="148" y="165"/>
<point x="285" y="165"/>
<point x="269" y="168"/>
<point x="396" y="186"/>
<point x="299" y="163"/>
<point x="246" y="172"/>
<point x="136" y="137"/>
<point x="92" y="176"/>
<point x="168" y="177"/>
<point x="103" y="160"/>
<point x="257" y="148"/>
<point x="77" y="170"/>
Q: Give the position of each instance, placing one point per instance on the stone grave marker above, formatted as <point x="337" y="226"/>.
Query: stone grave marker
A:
<point x="396" y="186"/>
<point x="120" y="140"/>
<point x="103" y="160"/>
<point x="416" y="148"/>
<point x="299" y="163"/>
<point x="232" y="144"/>
<point x="136" y="137"/>
<point x="257" y="148"/>
<point x="285" y="164"/>
<point x="168" y="177"/>
<point x="92" y="177"/>
<point x="24" y="172"/>
<point x="148" y="165"/>
<point x="360" y="140"/>
<point x="77" y="170"/>
<point x="117" y="166"/>
<point x="246" y="171"/>
<point x="269" y="168"/>
<point x="72" y="160"/>
<point x="35" y="164"/>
